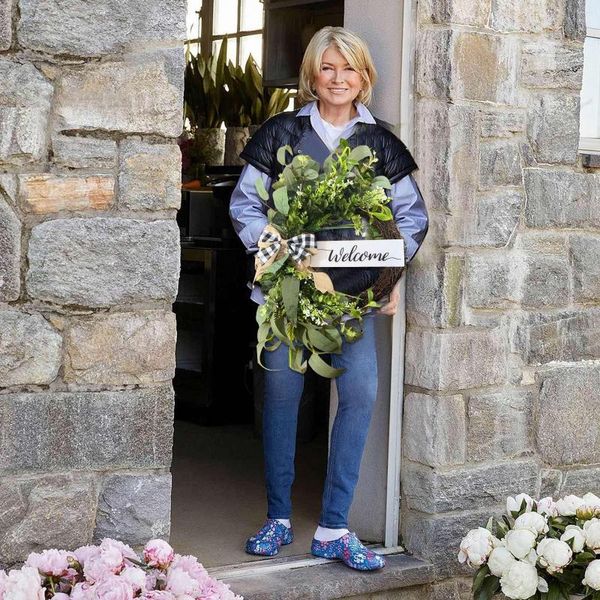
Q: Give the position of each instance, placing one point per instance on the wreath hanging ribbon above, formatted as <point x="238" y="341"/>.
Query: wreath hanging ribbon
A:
<point x="271" y="246"/>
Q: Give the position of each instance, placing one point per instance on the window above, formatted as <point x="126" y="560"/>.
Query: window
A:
<point x="208" y="21"/>
<point x="590" y="92"/>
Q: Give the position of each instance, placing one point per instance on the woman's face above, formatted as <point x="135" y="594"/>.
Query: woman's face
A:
<point x="337" y="84"/>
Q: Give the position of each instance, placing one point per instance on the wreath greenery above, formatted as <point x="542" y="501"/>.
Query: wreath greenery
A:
<point x="306" y="199"/>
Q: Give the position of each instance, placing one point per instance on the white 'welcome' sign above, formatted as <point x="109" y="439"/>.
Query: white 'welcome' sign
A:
<point x="359" y="253"/>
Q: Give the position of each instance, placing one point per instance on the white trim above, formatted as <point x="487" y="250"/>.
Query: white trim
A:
<point x="592" y="32"/>
<point x="589" y="145"/>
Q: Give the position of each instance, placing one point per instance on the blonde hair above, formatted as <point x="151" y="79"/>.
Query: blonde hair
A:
<point x="353" y="48"/>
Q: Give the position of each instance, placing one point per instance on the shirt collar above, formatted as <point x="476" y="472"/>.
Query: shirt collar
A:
<point x="364" y="115"/>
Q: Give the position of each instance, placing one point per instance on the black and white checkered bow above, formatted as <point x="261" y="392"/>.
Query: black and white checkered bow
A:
<point x="296" y="246"/>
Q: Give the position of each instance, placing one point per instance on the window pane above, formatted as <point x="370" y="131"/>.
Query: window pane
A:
<point x="225" y="16"/>
<point x="251" y="44"/>
<point x="590" y="91"/>
<point x="592" y="13"/>
<point x="231" y="48"/>
<point x="252" y="15"/>
<point x="192" y="20"/>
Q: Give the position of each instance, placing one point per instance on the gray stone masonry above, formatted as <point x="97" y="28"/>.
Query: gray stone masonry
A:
<point x="502" y="365"/>
<point x="90" y="105"/>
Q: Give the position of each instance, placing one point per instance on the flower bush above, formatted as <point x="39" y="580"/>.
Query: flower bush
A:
<point x="539" y="550"/>
<point x="112" y="571"/>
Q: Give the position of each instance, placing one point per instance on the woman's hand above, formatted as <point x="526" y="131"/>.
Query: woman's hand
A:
<point x="392" y="304"/>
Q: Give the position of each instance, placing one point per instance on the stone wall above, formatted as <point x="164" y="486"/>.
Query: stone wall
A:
<point x="90" y="106"/>
<point x="503" y="357"/>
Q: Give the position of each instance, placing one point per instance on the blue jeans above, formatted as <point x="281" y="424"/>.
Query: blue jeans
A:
<point x="357" y="390"/>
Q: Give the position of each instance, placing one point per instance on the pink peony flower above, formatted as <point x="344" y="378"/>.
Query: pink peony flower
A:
<point x="22" y="584"/>
<point x="82" y="591"/>
<point x="153" y="576"/>
<point x="217" y="590"/>
<point x="61" y="596"/>
<point x="181" y="582"/>
<point x="109" y="561"/>
<point x="83" y="553"/>
<point x="124" y="549"/>
<point x="135" y="576"/>
<point x="158" y="553"/>
<point x="192" y="567"/>
<point x="158" y="595"/>
<point x="50" y="562"/>
<point x="113" y="587"/>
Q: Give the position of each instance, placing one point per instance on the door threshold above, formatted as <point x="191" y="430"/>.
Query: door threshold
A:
<point x="272" y="565"/>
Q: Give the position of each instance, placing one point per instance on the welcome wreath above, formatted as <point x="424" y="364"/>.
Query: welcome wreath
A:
<point x="305" y="307"/>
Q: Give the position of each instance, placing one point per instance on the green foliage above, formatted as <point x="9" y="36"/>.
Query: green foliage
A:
<point x="306" y="200"/>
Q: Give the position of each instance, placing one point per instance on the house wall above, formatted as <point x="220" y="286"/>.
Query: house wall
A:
<point x="502" y="356"/>
<point x="90" y="106"/>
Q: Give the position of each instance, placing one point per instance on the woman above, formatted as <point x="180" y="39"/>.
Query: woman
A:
<point x="336" y="82"/>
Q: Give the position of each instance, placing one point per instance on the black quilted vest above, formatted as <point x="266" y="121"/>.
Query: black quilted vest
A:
<point x="395" y="161"/>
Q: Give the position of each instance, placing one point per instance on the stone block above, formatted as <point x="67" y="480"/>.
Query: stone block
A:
<point x="434" y="292"/>
<point x="24" y="112"/>
<point x="6" y="24"/>
<point x="434" y="429"/>
<point x="460" y="12"/>
<point x="30" y="347"/>
<point x="491" y="281"/>
<point x="149" y="176"/>
<point x="565" y="336"/>
<point x="491" y="77"/>
<point x="543" y="15"/>
<point x="550" y="483"/>
<point x="43" y="194"/>
<point x="568" y="395"/>
<point x="9" y="187"/>
<point x="10" y="253"/>
<point x="498" y="214"/>
<point x="502" y="124"/>
<point x="433" y="63"/>
<point x="549" y="63"/>
<point x="467" y="488"/>
<point x="102" y="27"/>
<point x="121" y="348"/>
<point x="574" y="26"/>
<point x="59" y="513"/>
<point x="499" y="163"/>
<point x="499" y="425"/>
<point x="437" y="538"/>
<point x="115" y="95"/>
<point x="585" y="255"/>
<point x="132" y="260"/>
<point x="455" y="360"/>
<point x="53" y="431"/>
<point x="561" y="198"/>
<point x="553" y="128"/>
<point x="134" y="508"/>
<point x="545" y="275"/>
<point x="84" y="152"/>
<point x="581" y="481"/>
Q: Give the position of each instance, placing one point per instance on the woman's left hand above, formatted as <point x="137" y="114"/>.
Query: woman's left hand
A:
<point x="392" y="304"/>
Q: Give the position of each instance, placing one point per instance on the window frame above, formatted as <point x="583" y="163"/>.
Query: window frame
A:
<point x="207" y="37"/>
<point x="590" y="145"/>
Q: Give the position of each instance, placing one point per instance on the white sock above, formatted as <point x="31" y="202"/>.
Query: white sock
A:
<point x="325" y="534"/>
<point x="285" y="522"/>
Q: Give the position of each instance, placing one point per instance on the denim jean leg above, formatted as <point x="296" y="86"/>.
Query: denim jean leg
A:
<point x="357" y="390"/>
<point x="282" y="395"/>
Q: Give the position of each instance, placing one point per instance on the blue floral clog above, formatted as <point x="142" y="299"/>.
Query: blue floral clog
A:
<point x="269" y="538"/>
<point x="350" y="550"/>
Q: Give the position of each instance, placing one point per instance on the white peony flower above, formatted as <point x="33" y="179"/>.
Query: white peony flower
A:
<point x="547" y="506"/>
<point x="590" y="507"/>
<point x="575" y="533"/>
<point x="542" y="585"/>
<point x="532" y="557"/>
<point x="500" y="559"/>
<point x="591" y="529"/>
<point x="520" y="581"/>
<point x="519" y="542"/>
<point x="591" y="500"/>
<point x="476" y="547"/>
<point x="592" y="575"/>
<point x="533" y="521"/>
<point x="23" y="584"/>
<point x="554" y="555"/>
<point x="568" y="505"/>
<point x="514" y="504"/>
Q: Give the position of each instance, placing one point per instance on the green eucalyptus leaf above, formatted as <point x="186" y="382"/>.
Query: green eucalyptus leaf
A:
<point x="360" y="153"/>
<point x="281" y="154"/>
<point x="382" y="182"/>
<point x="321" y="342"/>
<point x="319" y="366"/>
<point x="278" y="326"/>
<point x="280" y="198"/>
<point x="296" y="362"/>
<point x="260" y="188"/>
<point x="290" y="290"/>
